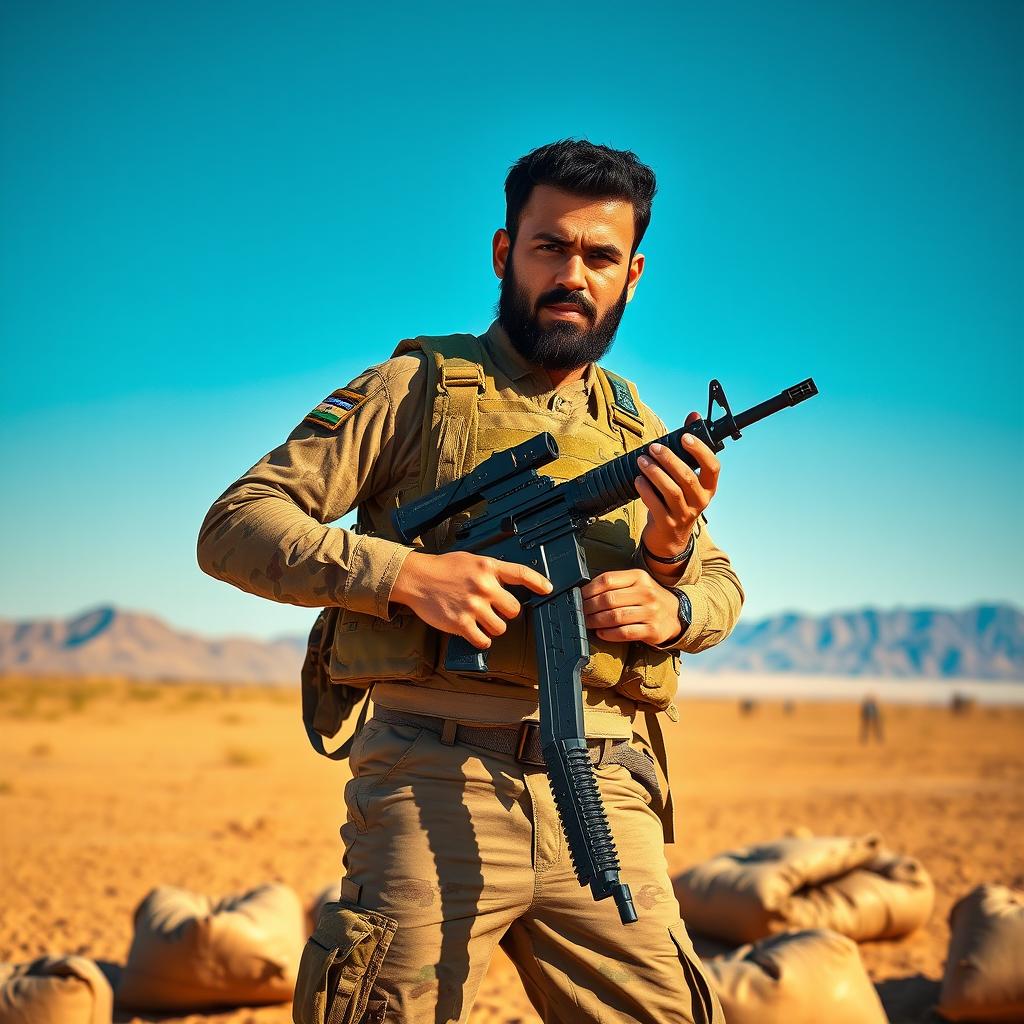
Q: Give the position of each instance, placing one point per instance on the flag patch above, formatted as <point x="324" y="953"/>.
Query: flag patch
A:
<point x="334" y="408"/>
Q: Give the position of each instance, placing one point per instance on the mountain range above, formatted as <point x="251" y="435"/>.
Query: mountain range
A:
<point x="985" y="642"/>
<point x="109" y="642"/>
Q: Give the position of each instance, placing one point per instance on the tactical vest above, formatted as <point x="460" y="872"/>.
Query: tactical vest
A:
<point x="465" y="421"/>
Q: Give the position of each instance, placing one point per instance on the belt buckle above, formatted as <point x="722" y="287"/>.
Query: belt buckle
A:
<point x="526" y="729"/>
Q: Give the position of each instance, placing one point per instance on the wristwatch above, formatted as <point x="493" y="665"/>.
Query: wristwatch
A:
<point x="685" y="618"/>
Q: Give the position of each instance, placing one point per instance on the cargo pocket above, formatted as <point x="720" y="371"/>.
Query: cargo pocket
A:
<point x="339" y="965"/>
<point x="703" y="1002"/>
<point x="378" y="755"/>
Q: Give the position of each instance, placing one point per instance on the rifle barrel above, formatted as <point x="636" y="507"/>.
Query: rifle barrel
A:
<point x="606" y="487"/>
<point x="790" y="396"/>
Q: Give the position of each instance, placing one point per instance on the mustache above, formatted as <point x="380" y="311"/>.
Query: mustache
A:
<point x="561" y="296"/>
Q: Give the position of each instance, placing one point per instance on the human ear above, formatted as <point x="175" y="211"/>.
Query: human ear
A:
<point x="636" y="270"/>
<point x="500" y="245"/>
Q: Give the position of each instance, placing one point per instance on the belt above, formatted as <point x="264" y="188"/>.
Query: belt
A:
<point x="523" y="743"/>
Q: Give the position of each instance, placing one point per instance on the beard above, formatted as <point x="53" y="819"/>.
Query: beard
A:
<point x="563" y="345"/>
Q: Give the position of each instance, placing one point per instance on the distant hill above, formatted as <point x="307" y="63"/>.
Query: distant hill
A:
<point x="109" y="642"/>
<point x="985" y="641"/>
<point x="981" y="642"/>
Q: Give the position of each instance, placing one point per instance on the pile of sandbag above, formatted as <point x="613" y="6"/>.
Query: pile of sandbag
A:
<point x="55" y="990"/>
<point x="188" y="952"/>
<point x="984" y="976"/>
<point x="852" y="886"/>
<point x="803" y="977"/>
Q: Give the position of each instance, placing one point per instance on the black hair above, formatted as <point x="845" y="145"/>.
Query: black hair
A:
<point x="585" y="169"/>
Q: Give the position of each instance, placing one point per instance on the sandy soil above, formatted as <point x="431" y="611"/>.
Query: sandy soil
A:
<point x="109" y="789"/>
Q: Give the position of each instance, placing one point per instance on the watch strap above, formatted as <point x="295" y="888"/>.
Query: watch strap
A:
<point x="685" y="618"/>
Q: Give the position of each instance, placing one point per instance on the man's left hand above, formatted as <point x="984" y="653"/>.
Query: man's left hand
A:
<point x="675" y="496"/>
<point x="629" y="604"/>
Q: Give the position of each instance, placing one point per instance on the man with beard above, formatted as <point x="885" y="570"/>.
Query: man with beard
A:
<point x="452" y="842"/>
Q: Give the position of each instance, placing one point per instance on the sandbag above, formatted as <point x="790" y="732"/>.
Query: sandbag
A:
<point x="188" y="953"/>
<point x="984" y="976"/>
<point x="55" y="990"/>
<point x="804" y="977"/>
<point x="850" y="885"/>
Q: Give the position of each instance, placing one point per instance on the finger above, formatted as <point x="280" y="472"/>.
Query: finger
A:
<point x="626" y="634"/>
<point x="611" y="599"/>
<point x="475" y="635"/>
<point x="627" y="616"/>
<point x="614" y="580"/>
<point x="505" y="604"/>
<point x="692" y="418"/>
<point x="490" y="623"/>
<point x="669" y="489"/>
<point x="650" y="497"/>
<point x="709" y="464"/>
<point x="668" y="461"/>
<point x="522" y="576"/>
<point x="688" y="485"/>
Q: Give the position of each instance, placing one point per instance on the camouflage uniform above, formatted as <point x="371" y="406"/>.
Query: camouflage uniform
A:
<point x="457" y="844"/>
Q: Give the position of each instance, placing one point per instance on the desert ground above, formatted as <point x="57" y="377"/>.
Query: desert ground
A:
<point x="109" y="788"/>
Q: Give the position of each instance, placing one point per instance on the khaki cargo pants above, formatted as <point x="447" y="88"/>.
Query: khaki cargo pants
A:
<point x="461" y="848"/>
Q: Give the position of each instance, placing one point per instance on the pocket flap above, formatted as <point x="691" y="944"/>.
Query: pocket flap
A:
<point x="340" y="964"/>
<point x="339" y="931"/>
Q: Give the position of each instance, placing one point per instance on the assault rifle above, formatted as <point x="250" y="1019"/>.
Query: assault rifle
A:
<point x="531" y="520"/>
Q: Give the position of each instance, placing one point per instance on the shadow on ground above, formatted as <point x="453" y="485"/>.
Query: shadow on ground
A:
<point x="910" y="1000"/>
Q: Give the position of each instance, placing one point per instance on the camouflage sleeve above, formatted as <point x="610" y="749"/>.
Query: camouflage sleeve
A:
<point x="267" y="533"/>
<point x="711" y="584"/>
<point x="716" y="596"/>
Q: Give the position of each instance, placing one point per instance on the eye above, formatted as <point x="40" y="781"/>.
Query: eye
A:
<point x="550" y="247"/>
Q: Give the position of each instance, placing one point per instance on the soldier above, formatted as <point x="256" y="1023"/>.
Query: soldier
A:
<point x="870" y="719"/>
<point x="452" y="842"/>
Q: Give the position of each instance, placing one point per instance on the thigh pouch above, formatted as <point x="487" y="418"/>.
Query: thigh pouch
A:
<point x="339" y="965"/>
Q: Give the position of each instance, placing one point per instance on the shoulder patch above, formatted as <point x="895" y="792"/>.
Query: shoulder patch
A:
<point x="621" y="395"/>
<point x="331" y="412"/>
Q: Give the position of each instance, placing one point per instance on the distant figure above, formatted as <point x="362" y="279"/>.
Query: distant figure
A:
<point x="788" y="707"/>
<point x="870" y="720"/>
<point x="747" y="706"/>
<point x="961" y="704"/>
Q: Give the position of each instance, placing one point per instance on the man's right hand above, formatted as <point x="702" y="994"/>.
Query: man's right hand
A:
<point x="462" y="593"/>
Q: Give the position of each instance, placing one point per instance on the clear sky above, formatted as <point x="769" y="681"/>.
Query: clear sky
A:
<point x="215" y="214"/>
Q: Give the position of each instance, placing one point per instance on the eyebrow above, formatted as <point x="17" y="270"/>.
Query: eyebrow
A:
<point x="608" y="249"/>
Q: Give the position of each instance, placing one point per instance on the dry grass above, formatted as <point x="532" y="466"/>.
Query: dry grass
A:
<point x="244" y="757"/>
<point x="51" y="697"/>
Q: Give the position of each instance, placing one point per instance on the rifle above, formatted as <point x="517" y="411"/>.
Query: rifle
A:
<point x="531" y="520"/>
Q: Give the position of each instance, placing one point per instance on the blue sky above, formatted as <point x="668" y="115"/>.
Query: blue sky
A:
<point x="214" y="214"/>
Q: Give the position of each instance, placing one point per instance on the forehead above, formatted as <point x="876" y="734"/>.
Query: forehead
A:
<point x="579" y="218"/>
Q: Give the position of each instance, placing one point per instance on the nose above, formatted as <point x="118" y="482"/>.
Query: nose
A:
<point x="570" y="274"/>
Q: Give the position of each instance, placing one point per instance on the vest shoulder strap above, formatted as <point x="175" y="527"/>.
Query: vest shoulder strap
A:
<point x="455" y="381"/>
